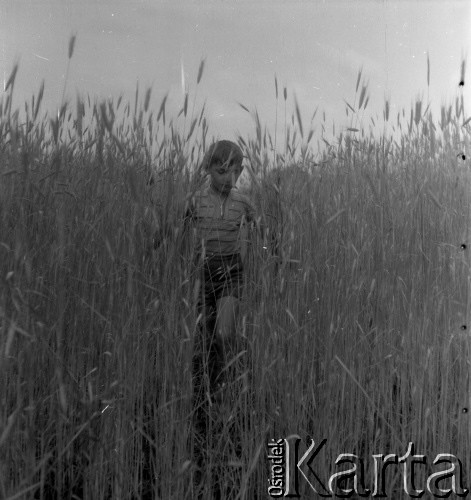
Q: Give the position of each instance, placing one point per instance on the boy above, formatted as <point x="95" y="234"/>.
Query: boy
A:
<point x="218" y="215"/>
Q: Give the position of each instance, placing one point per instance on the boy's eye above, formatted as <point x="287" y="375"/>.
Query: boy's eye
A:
<point x="228" y="165"/>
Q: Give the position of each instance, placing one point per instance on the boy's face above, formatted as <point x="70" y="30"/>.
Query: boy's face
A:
<point x="224" y="174"/>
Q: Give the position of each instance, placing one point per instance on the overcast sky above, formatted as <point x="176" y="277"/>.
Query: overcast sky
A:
<point x="315" y="48"/>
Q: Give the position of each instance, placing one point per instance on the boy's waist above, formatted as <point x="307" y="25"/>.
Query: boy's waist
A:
<point x="217" y="245"/>
<point x="217" y="258"/>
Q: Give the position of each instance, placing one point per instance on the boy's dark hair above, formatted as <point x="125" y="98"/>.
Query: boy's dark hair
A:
<point x="222" y="151"/>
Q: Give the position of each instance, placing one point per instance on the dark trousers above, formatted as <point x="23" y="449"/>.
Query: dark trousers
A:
<point x="220" y="277"/>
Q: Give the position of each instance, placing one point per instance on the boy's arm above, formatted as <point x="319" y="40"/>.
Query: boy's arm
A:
<point x="256" y="216"/>
<point x="265" y="225"/>
<point x="167" y="227"/>
<point x="258" y="220"/>
<point x="163" y="211"/>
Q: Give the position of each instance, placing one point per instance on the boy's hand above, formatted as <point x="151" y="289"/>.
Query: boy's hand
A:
<point x="161" y="235"/>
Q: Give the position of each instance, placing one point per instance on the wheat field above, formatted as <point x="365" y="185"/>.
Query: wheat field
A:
<point x="356" y="323"/>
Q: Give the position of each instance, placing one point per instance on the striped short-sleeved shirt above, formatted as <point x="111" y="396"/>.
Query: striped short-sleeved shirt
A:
<point x="218" y="220"/>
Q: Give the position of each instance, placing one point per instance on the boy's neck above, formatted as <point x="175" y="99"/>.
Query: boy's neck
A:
<point x="220" y="192"/>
